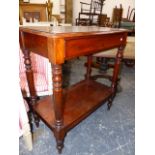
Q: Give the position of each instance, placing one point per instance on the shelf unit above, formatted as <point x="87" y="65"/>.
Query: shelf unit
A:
<point x="74" y="110"/>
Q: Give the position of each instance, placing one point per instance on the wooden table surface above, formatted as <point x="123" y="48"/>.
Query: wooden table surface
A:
<point x="71" y="41"/>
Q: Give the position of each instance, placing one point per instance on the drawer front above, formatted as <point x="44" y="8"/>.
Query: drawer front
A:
<point x="89" y="45"/>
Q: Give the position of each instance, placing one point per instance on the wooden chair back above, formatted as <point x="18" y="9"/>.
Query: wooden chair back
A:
<point x="90" y="12"/>
<point x="131" y="15"/>
<point x="117" y="16"/>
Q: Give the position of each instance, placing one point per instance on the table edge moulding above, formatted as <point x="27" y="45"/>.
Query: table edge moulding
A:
<point x="67" y="107"/>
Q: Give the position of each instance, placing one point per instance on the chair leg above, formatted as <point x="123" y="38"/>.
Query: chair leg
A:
<point x="33" y="114"/>
<point x="129" y="63"/>
<point x="103" y="67"/>
<point x="109" y="104"/>
<point x="36" y="119"/>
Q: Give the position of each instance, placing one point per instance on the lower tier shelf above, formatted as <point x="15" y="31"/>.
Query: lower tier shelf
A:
<point x="80" y="100"/>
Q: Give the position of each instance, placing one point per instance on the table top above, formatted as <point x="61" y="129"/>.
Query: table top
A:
<point x="60" y="43"/>
<point x="71" y="30"/>
<point x="44" y="24"/>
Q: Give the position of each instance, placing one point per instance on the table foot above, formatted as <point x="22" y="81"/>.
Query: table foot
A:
<point x="60" y="135"/>
<point x="60" y="145"/>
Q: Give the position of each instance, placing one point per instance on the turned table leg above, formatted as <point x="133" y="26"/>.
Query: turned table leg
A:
<point x="29" y="75"/>
<point x="30" y="80"/>
<point x="115" y="74"/>
<point x="58" y="105"/>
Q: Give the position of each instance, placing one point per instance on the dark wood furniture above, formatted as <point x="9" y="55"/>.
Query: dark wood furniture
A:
<point x="126" y="23"/>
<point x="117" y="16"/>
<point x="67" y="107"/>
<point x="129" y="21"/>
<point x="104" y="21"/>
<point x="68" y="11"/>
<point x="90" y="13"/>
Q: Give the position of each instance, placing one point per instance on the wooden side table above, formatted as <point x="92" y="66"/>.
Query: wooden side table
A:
<point x="67" y="107"/>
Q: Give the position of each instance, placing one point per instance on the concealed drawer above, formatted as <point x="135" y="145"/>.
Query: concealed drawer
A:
<point x="83" y="46"/>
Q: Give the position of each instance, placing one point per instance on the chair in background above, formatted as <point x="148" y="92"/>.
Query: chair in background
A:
<point x="103" y="58"/>
<point x="119" y="22"/>
<point x="129" y="21"/>
<point x="130" y="15"/>
<point x="103" y="62"/>
<point x="117" y="16"/>
<point x="89" y="14"/>
<point x="104" y="21"/>
<point x="128" y="55"/>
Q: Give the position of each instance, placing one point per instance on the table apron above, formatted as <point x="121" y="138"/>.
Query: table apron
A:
<point x="57" y="50"/>
<point x="90" y="45"/>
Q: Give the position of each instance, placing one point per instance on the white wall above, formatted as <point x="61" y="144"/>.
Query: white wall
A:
<point x="77" y="7"/>
<point x="56" y="5"/>
<point x="107" y="8"/>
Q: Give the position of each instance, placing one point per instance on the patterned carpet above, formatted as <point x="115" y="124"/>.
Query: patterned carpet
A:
<point x="103" y="132"/>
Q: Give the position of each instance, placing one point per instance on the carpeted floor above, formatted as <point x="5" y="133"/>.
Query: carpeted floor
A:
<point x="103" y="132"/>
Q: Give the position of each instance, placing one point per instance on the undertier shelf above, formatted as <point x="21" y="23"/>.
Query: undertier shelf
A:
<point x="80" y="100"/>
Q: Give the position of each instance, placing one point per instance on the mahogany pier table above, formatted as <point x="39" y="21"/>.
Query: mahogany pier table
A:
<point x="67" y="107"/>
